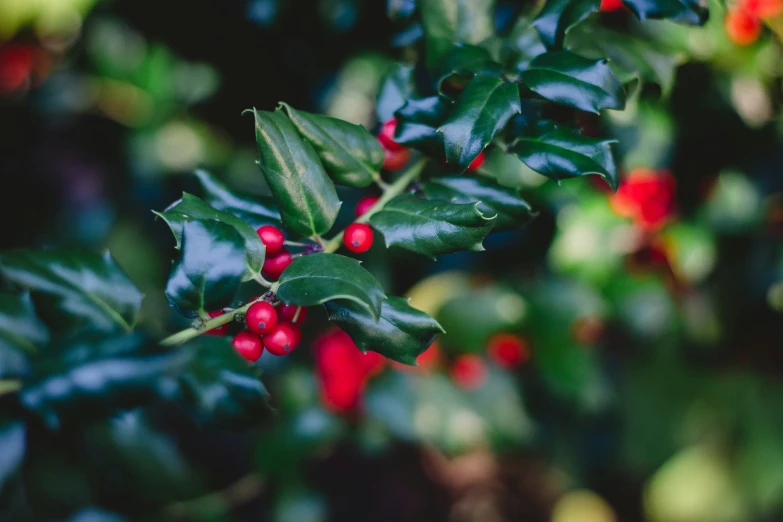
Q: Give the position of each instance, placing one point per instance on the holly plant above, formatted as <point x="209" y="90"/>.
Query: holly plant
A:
<point x="72" y="348"/>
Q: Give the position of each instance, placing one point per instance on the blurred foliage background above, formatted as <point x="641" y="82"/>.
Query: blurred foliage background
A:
<point x="644" y="327"/>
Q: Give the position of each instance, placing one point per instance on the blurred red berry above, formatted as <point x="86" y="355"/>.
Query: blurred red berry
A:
<point x="272" y="238"/>
<point x="587" y="330"/>
<point x="248" y="345"/>
<point x="477" y="162"/>
<point x="261" y="318"/>
<point x="610" y="5"/>
<point x="358" y="238"/>
<point x="372" y="363"/>
<point x="16" y="66"/>
<point x="274" y="265"/>
<point x="468" y="371"/>
<point x="288" y="313"/>
<point x="386" y="136"/>
<point x="218" y="330"/>
<point x="508" y="350"/>
<point x="365" y="204"/>
<point x="394" y="160"/>
<point x="743" y="27"/>
<point x="647" y="197"/>
<point x="762" y="8"/>
<point x="283" y="340"/>
<point x="425" y="362"/>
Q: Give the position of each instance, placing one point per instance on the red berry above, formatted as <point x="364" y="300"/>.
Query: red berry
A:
<point x="261" y="318"/>
<point x="248" y="345"/>
<point x="394" y="160"/>
<point x="386" y="136"/>
<point x="743" y="27"/>
<point x="508" y="350"/>
<point x="477" y="162"/>
<point x="610" y="5"/>
<point x="218" y="330"/>
<point x="284" y="339"/>
<point x="468" y="371"/>
<point x="365" y="204"/>
<point x="288" y="313"/>
<point x="274" y="265"/>
<point x="272" y="238"/>
<point x="357" y="238"/>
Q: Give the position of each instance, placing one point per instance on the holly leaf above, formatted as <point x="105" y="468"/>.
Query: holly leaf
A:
<point x="418" y="121"/>
<point x="689" y="12"/>
<point x="561" y="154"/>
<point x="220" y="388"/>
<point x="558" y="16"/>
<point x="481" y="111"/>
<point x="466" y="61"/>
<point x="351" y="155"/>
<point x="12" y="440"/>
<point x="569" y="79"/>
<point x="448" y="22"/>
<point x="306" y="196"/>
<point x="92" y="378"/>
<point x="431" y="228"/>
<point x="511" y="210"/>
<point x="210" y="269"/>
<point x="522" y="45"/>
<point x="317" y="278"/>
<point x="395" y="89"/>
<point x="21" y="333"/>
<point x="255" y="211"/>
<point x="401" y="333"/>
<point x="191" y="208"/>
<point x="78" y="289"/>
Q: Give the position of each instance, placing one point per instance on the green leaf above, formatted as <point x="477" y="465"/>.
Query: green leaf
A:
<point x="569" y="79"/>
<point x="191" y="208"/>
<point x="21" y="333"/>
<point x="449" y="22"/>
<point x="522" y="45"/>
<point x="558" y="16"/>
<point x="401" y="333"/>
<point x="418" y="121"/>
<point x="92" y="378"/>
<point x="430" y="227"/>
<point x="210" y="269"/>
<point x="317" y="278"/>
<point x="220" y="388"/>
<point x="690" y="12"/>
<point x="12" y="440"/>
<point x="395" y="89"/>
<point x="256" y="211"/>
<point x="306" y="196"/>
<point x="351" y="155"/>
<point x="511" y="210"/>
<point x="562" y="154"/>
<point x="466" y="61"/>
<point x="87" y="289"/>
<point x="481" y="111"/>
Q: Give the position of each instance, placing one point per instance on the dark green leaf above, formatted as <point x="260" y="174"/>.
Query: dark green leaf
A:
<point x="21" y="333"/>
<point x="401" y="333"/>
<point x="561" y="154"/>
<point x="12" y="442"/>
<point x="351" y="155"/>
<point x="418" y="121"/>
<point x="87" y="288"/>
<point x="449" y="22"/>
<point x="691" y="12"/>
<point x="430" y="227"/>
<point x="317" y="278"/>
<point x="569" y="79"/>
<point x="219" y="387"/>
<point x="191" y="208"/>
<point x="256" y="211"/>
<point x="511" y="210"/>
<point x="395" y="89"/>
<point x="482" y="110"/>
<point x="306" y="196"/>
<point x="558" y="16"/>
<point x="210" y="268"/>
<point x="522" y="45"/>
<point x="92" y="378"/>
<point x="466" y="61"/>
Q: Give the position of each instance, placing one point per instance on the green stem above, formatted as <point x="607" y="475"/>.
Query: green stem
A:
<point x="9" y="386"/>
<point x="189" y="333"/>
<point x="391" y="192"/>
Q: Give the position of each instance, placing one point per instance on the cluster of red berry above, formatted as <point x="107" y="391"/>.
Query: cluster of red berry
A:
<point x="507" y="350"/>
<point x="744" y="20"/>
<point x="647" y="197"/>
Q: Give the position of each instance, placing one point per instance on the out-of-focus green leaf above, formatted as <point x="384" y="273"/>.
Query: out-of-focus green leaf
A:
<point x="689" y="12"/>
<point x="418" y="121"/>
<point x="449" y="22"/>
<point x="256" y="211"/>
<point x="21" y="333"/>
<point x="466" y="61"/>
<point x="395" y="90"/>
<point x="12" y="440"/>
<point x="558" y="16"/>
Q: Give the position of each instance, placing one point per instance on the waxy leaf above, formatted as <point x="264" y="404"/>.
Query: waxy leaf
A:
<point x="86" y="289"/>
<point x="191" y="208"/>
<point x="255" y="211"/>
<point x="511" y="210"/>
<point x="21" y="333"/>
<point x="219" y="387"/>
<point x="317" y="278"/>
<point x="465" y="61"/>
<point x="401" y="333"/>
<point x="569" y="79"/>
<point x="558" y="16"/>
<point x="522" y="45"/>
<point x="431" y="227"/>
<point x="418" y="121"/>
<point x="690" y="12"/>
<point x="351" y="155"/>
<point x="561" y="154"/>
<point x="12" y="442"/>
<point x="93" y="378"/>
<point x="210" y="269"/>
<point x="481" y="111"/>
<point x="449" y="22"/>
<point x="306" y="196"/>
<point x="395" y="89"/>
